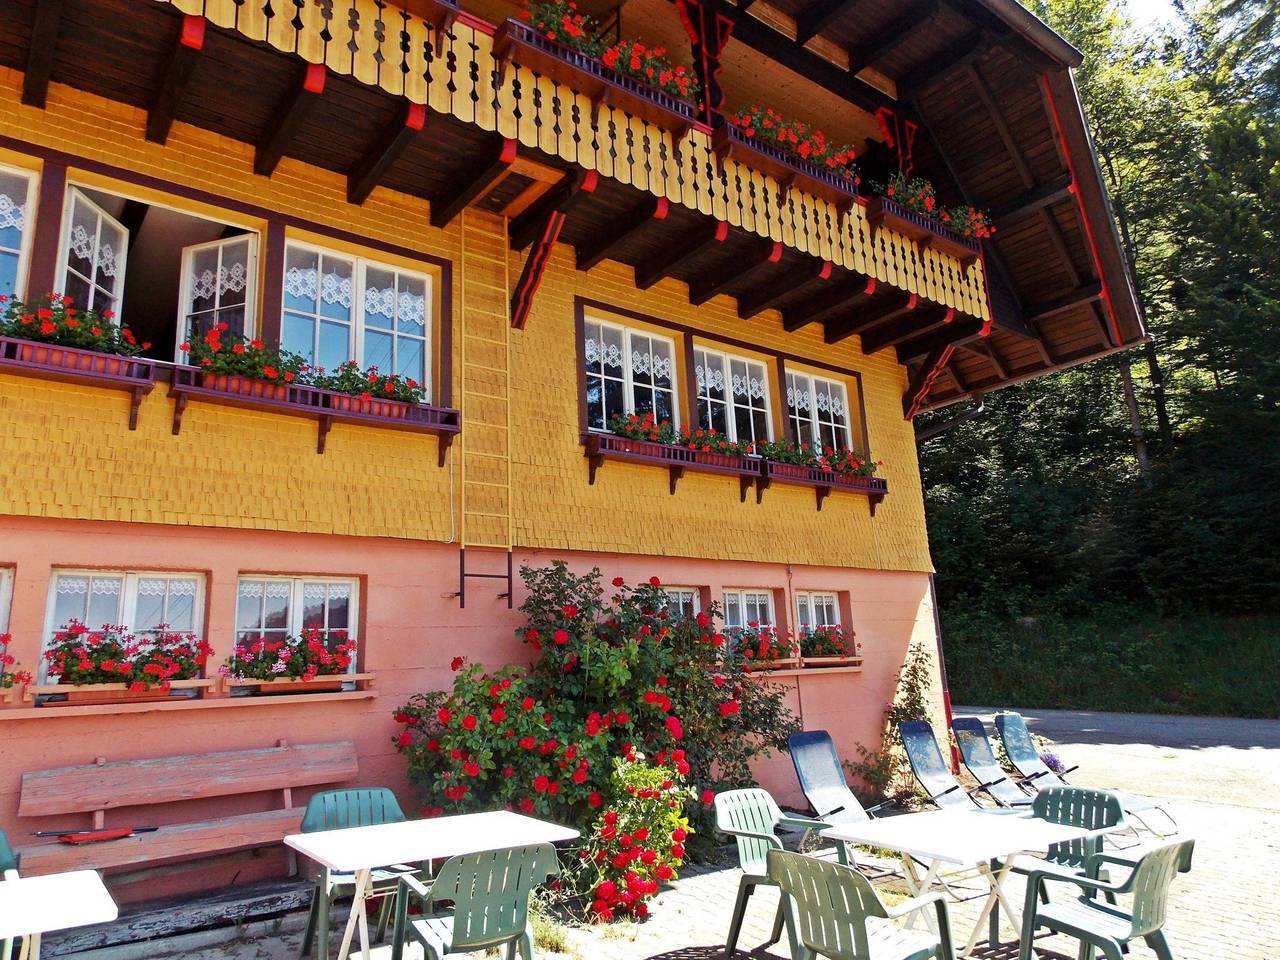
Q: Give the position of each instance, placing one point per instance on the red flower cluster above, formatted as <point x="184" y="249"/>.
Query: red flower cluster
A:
<point x="315" y="653"/>
<point x="560" y="21"/>
<point x="828" y="641"/>
<point x="221" y="351"/>
<point x="650" y="65"/>
<point x="798" y="139"/>
<point x="918" y="196"/>
<point x="55" y="319"/>
<point x="10" y="678"/>
<point x="81" y="656"/>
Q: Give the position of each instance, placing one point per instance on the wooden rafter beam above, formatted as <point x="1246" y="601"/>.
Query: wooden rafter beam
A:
<point x="1031" y="201"/>
<point x="914" y="324"/>
<point x="907" y="25"/>
<point x="889" y="307"/>
<point x="177" y="76"/>
<point x="847" y="295"/>
<point x="973" y="46"/>
<point x="40" y="53"/>
<point x="576" y="186"/>
<point x="390" y="143"/>
<point x="953" y="371"/>
<point x="951" y="334"/>
<point x="287" y="118"/>
<point x="1011" y="145"/>
<point x="473" y="181"/>
<point x="743" y="268"/>
<point x="697" y="241"/>
<point x="819" y="15"/>
<point x="535" y="266"/>
<point x="749" y="306"/>
<point x="986" y="350"/>
<point x="1079" y="297"/>
<point x="644" y="213"/>
<point x="921" y="381"/>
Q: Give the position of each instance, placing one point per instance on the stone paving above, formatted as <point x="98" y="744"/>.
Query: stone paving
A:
<point x="1222" y="776"/>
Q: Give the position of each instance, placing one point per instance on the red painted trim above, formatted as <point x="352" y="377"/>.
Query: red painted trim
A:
<point x="871" y="286"/>
<point x="476" y="23"/>
<point x="912" y="302"/>
<point x="722" y="231"/>
<point x="825" y="272"/>
<point x="950" y="315"/>
<point x="926" y="385"/>
<point x="531" y="278"/>
<point x="662" y="209"/>
<point x="192" y="32"/>
<point x="590" y="182"/>
<point x="314" y="80"/>
<point x="775" y="254"/>
<point x="509" y="148"/>
<point x="416" y="118"/>
<point x="1084" y="216"/>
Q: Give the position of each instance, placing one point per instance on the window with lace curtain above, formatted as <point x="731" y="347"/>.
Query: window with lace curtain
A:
<point x="682" y="601"/>
<point x="17" y="216"/>
<point x="6" y="596"/>
<point x="272" y="608"/>
<point x="95" y="247"/>
<point x="733" y="396"/>
<point x="141" y="602"/>
<point x="627" y="371"/>
<point x="819" y="411"/>
<point x="817" y="610"/>
<point x="339" y="307"/>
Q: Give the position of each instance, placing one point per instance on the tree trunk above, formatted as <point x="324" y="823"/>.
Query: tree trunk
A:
<point x="1135" y="421"/>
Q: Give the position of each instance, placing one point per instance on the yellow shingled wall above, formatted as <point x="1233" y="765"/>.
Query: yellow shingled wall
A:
<point x="68" y="452"/>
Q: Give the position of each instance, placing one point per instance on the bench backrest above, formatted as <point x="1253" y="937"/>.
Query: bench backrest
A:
<point x="129" y="783"/>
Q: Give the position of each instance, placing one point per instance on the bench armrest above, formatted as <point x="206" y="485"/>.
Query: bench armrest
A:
<point x="803" y="823"/>
<point x="912" y="905"/>
<point x="768" y="838"/>
<point x="922" y="902"/>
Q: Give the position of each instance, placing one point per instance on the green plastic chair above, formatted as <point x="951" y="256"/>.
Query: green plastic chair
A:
<point x="1076" y="807"/>
<point x="490" y="896"/>
<point x="1104" y="926"/>
<point x="833" y="911"/>
<point x="752" y="818"/>
<point x="336" y="810"/>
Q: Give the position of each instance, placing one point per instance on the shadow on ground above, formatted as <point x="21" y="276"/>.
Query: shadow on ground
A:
<point x="1005" y="951"/>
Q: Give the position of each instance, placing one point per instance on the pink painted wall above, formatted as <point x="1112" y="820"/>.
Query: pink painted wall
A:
<point x="410" y="628"/>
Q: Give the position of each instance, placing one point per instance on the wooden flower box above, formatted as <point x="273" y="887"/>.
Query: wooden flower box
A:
<point x="828" y="662"/>
<point x="516" y="42"/>
<point x="823" y="482"/>
<point x="326" y="407"/>
<point x="328" y="683"/>
<point x="12" y="694"/>
<point x="599" y="447"/>
<point x="759" y="666"/>
<point x="52" y="361"/>
<point x="929" y="233"/>
<point x="730" y="143"/>
<point x="99" y="693"/>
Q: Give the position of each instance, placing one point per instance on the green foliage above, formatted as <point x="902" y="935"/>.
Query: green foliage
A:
<point x="885" y="772"/>
<point x="1050" y="506"/>
<point x="615" y="678"/>
<point x="55" y="319"/>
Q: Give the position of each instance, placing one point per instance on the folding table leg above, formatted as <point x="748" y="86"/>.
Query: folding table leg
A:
<point x="996" y="882"/>
<point x="357" y="916"/>
<point x="918" y="885"/>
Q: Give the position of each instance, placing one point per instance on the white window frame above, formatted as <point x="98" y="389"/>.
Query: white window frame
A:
<point x="731" y="403"/>
<point x="694" y="594"/>
<point x="742" y="593"/>
<point x="807" y="604"/>
<point x="128" y="597"/>
<point x="6" y="597"/>
<point x="297" y="585"/>
<point x="359" y="268"/>
<point x="64" y="249"/>
<point x="184" y="287"/>
<point x="628" y="391"/>
<point x="810" y="382"/>
<point x="26" y="229"/>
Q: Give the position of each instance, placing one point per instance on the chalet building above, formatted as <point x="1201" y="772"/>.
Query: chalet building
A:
<point x="544" y="243"/>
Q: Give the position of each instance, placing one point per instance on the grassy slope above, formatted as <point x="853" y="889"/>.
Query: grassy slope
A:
<point x="1119" y="659"/>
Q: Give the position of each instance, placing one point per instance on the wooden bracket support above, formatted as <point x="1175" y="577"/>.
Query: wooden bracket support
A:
<point x="323" y="426"/>
<point x="177" y="77"/>
<point x="179" y="407"/>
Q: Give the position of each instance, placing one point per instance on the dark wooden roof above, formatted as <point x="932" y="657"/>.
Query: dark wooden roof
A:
<point x="1003" y="129"/>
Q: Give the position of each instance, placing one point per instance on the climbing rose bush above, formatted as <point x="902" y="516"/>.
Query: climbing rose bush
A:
<point x="615" y="679"/>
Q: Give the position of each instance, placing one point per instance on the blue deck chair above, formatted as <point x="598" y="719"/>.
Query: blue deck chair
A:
<point x="980" y="759"/>
<point x="822" y="780"/>
<point x="931" y="771"/>
<point x="1025" y="757"/>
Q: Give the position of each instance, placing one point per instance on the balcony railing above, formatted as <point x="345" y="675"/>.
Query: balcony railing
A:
<point x="456" y="72"/>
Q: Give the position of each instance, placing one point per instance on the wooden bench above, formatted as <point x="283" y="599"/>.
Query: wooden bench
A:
<point x="102" y="786"/>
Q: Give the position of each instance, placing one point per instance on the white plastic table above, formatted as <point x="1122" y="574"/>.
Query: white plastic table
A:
<point x="962" y="838"/>
<point x="361" y="850"/>
<point x="30" y="906"/>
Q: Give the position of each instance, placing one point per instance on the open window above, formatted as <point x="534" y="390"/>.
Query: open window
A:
<point x="160" y="270"/>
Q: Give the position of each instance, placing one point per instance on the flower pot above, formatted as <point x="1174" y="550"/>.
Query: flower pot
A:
<point x="929" y="233"/>
<point x="828" y="661"/>
<point x="730" y="143"/>
<point x="72" y="358"/>
<point x="294" y="685"/>
<point x="721" y="459"/>
<point x="98" y="693"/>
<point x="752" y="666"/>
<point x="389" y="409"/>
<point x="244" y="386"/>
